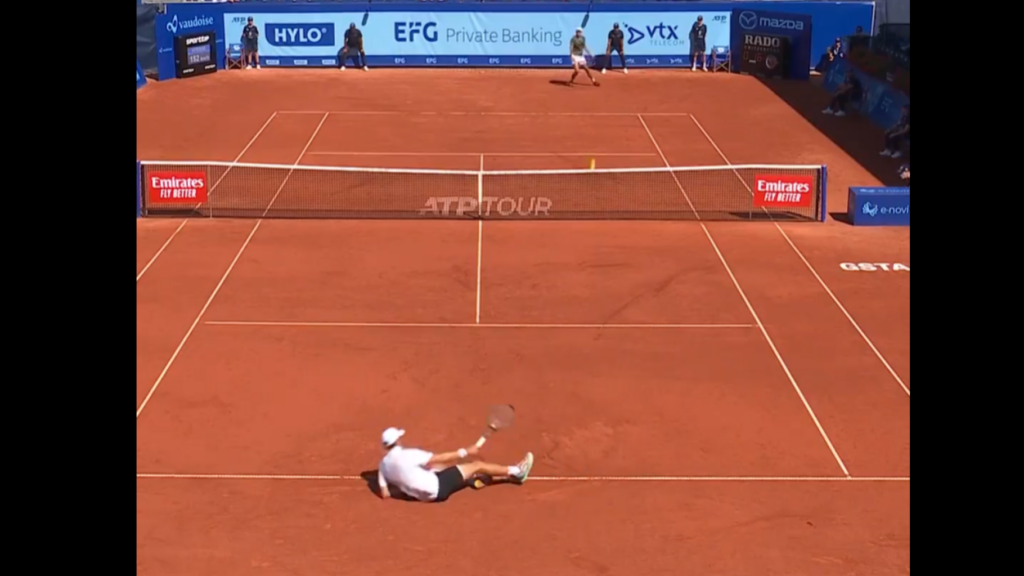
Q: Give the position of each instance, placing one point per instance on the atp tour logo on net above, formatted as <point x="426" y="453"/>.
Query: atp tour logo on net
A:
<point x="295" y="35"/>
<point x="783" y="191"/>
<point x="470" y="207"/>
<point x="170" y="187"/>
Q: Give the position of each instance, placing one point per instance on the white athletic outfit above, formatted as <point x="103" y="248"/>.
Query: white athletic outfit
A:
<point x="406" y="469"/>
<point x="579" y="59"/>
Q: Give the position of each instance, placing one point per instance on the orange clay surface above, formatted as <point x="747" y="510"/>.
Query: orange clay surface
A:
<point x="752" y="419"/>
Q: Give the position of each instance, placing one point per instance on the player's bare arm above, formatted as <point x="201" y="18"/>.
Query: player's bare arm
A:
<point x="448" y="458"/>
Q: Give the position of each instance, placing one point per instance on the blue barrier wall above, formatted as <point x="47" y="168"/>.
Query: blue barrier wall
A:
<point x="882" y="102"/>
<point x="140" y="78"/>
<point x="878" y="206"/>
<point x="522" y="34"/>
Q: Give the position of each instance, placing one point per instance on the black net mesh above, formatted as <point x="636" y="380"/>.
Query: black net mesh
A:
<point x="272" y="191"/>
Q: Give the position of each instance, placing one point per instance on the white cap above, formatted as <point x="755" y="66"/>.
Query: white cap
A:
<point x="579" y="29"/>
<point x="390" y="436"/>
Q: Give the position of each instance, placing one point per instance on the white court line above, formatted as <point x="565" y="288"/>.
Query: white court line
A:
<point x="237" y="158"/>
<point x="297" y="161"/>
<point x="760" y="325"/>
<point x="662" y="155"/>
<point x="421" y="113"/>
<point x="814" y="272"/>
<point x="479" y="235"/>
<point x="195" y="322"/>
<point x="474" y="325"/>
<point x="161" y="250"/>
<point x="547" y="478"/>
<point x="212" y="188"/>
<point x="474" y="154"/>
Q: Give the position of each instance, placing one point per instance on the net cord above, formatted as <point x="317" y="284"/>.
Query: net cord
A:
<point x="652" y="170"/>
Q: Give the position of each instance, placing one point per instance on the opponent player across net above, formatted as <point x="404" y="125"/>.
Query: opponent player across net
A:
<point x="578" y="53"/>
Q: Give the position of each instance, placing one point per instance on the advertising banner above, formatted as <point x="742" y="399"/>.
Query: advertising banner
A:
<point x="882" y="103"/>
<point x="796" y="27"/>
<point x="474" y="38"/>
<point x="140" y="78"/>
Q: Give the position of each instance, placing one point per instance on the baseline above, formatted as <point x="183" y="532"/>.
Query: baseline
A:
<point x="753" y="313"/>
<point x="835" y="299"/>
<point x="468" y="325"/>
<point x="460" y="113"/>
<point x="157" y="476"/>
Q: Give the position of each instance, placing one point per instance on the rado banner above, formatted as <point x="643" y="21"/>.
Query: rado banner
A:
<point x="195" y="54"/>
<point x="765" y="55"/>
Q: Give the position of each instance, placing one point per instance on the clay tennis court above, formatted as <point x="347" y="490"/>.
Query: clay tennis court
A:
<point x="701" y="397"/>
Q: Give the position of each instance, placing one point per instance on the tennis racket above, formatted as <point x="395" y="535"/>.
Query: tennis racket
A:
<point x="589" y="58"/>
<point x="586" y="17"/>
<point x="366" y="15"/>
<point x="498" y="418"/>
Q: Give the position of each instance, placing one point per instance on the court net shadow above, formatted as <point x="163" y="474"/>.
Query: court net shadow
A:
<point x="855" y="134"/>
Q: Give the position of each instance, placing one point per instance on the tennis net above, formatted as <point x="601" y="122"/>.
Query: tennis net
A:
<point x="237" y="190"/>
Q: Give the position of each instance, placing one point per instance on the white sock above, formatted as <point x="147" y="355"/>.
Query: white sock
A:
<point x="514" y="471"/>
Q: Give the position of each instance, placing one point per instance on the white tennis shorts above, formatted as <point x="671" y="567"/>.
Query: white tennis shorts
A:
<point x="581" y="60"/>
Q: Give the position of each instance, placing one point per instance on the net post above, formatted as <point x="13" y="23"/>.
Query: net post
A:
<point x="138" y="189"/>
<point x="824" y="193"/>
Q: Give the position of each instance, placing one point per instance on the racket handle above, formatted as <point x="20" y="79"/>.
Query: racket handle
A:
<point x="480" y="443"/>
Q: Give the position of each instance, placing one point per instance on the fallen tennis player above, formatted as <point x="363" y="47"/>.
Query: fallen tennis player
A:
<point x="430" y="477"/>
<point x="578" y="54"/>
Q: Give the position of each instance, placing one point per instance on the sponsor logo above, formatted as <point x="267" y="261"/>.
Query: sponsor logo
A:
<point x="873" y="210"/>
<point x="660" y="34"/>
<point x="675" y="60"/>
<point x="764" y="41"/>
<point x="783" y="191"/>
<point x="196" y="22"/>
<point x="408" y="31"/>
<point x="196" y="40"/>
<point x="750" y="20"/>
<point x="469" y="207"/>
<point x="300" y="35"/>
<point x="168" y="187"/>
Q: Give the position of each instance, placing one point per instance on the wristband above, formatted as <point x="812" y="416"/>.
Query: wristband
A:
<point x="463" y="453"/>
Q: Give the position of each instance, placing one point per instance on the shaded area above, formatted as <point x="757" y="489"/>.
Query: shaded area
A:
<point x="855" y="134"/>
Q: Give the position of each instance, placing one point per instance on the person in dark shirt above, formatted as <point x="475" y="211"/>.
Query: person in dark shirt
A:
<point x="615" y="42"/>
<point x="897" y="135"/>
<point x="851" y="89"/>
<point x="353" y="43"/>
<point x="698" y="32"/>
<point x="834" y="52"/>
<point x="251" y="45"/>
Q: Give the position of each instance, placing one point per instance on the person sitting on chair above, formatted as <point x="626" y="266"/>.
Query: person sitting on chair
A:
<point x="850" y="90"/>
<point x="895" y="136"/>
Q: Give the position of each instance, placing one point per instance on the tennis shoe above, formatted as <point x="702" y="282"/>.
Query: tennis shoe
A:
<point x="366" y="68"/>
<point x="342" y="68"/>
<point x="604" y="71"/>
<point x="525" y="465"/>
<point x="249" y="67"/>
<point x="625" y="71"/>
<point x="705" y="68"/>
<point x="840" y="114"/>
<point x="886" y="152"/>
<point x="827" y="111"/>
<point x="897" y="154"/>
<point x="258" y="67"/>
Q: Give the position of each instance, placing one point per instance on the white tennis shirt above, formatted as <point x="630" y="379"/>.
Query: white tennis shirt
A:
<point x="406" y="469"/>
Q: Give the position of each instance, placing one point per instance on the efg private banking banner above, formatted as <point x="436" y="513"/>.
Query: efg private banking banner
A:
<point x="518" y="34"/>
<point x="474" y="38"/>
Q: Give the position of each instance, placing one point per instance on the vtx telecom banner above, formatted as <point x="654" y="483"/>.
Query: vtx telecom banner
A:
<point x="797" y="27"/>
<point x="474" y="38"/>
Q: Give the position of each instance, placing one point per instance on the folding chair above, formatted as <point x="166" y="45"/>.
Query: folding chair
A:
<point x="721" y="59"/>
<point x="233" y="57"/>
